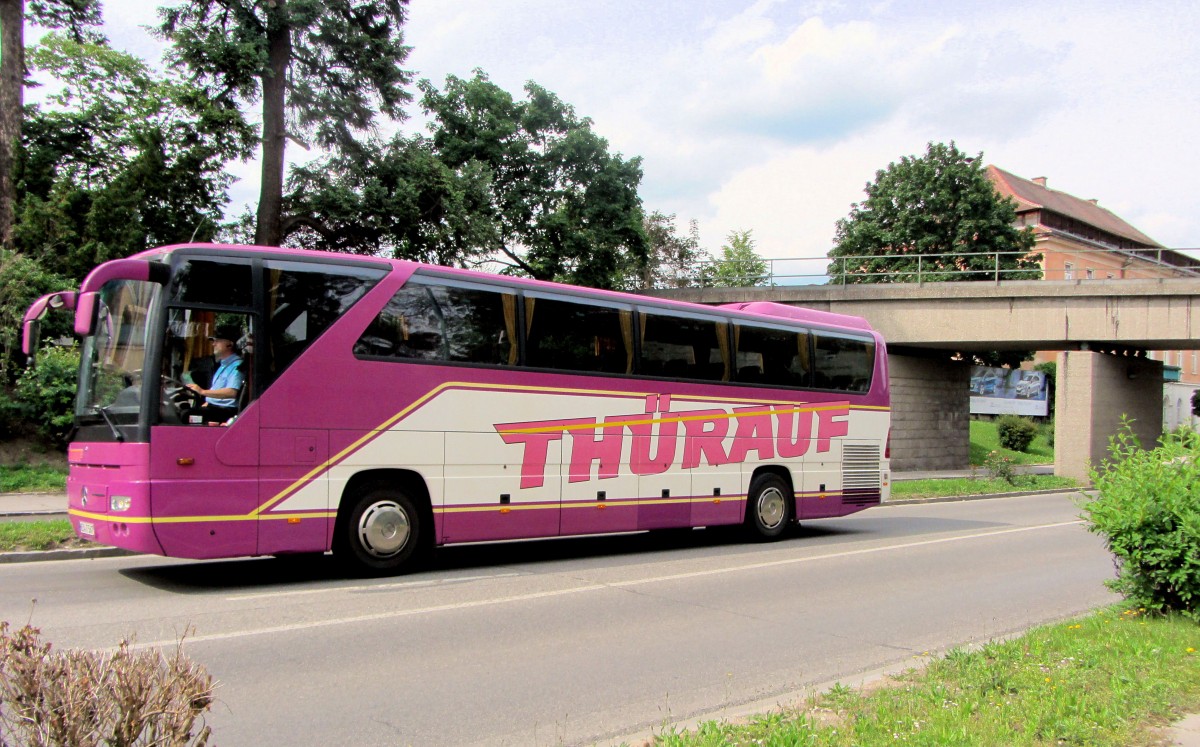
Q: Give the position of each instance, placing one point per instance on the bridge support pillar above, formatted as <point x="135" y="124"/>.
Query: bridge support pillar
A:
<point x="1092" y="392"/>
<point x="931" y="420"/>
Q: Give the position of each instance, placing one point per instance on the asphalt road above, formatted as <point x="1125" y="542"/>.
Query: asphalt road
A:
<point x="577" y="641"/>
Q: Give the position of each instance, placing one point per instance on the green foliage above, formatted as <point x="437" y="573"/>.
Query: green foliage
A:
<point x="559" y="206"/>
<point x="22" y="281"/>
<point x="36" y="536"/>
<point x="1106" y="680"/>
<point x="1148" y="510"/>
<point x="1016" y="432"/>
<point x="1001" y="467"/>
<point x="118" y="159"/>
<point x="738" y="266"/>
<point x="30" y="478"/>
<point x="939" y="204"/>
<point x="391" y="199"/>
<point x="320" y="71"/>
<point x="986" y="439"/>
<point x="960" y="486"/>
<point x="46" y="392"/>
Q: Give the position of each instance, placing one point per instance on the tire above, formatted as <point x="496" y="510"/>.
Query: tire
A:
<point x="768" y="506"/>
<point x="382" y="533"/>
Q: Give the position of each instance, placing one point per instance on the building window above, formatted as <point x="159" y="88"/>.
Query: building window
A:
<point x="1068" y="271"/>
<point x="1091" y="274"/>
<point x="1111" y="276"/>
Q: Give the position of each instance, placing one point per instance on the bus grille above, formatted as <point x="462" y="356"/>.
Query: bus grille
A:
<point x="860" y="475"/>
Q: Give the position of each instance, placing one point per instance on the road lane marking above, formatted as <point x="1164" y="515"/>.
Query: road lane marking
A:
<point x="395" y="614"/>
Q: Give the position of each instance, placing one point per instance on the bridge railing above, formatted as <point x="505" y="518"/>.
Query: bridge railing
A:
<point x="1077" y="264"/>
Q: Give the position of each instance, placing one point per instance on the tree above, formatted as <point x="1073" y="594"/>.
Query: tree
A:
<point x="118" y="159"/>
<point x="942" y="206"/>
<point x="560" y="206"/>
<point x="80" y="17"/>
<point x="739" y="266"/>
<point x="674" y="261"/>
<point x="391" y="199"/>
<point x="320" y="70"/>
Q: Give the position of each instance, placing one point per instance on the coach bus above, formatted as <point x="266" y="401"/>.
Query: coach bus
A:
<point x="381" y="408"/>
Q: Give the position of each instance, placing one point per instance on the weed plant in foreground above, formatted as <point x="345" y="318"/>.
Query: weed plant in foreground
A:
<point x="1109" y="679"/>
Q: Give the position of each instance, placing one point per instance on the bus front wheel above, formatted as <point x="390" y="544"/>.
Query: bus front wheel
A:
<point x="768" y="506"/>
<point x="381" y="532"/>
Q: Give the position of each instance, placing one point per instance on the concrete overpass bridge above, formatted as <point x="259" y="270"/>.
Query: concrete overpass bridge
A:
<point x="1099" y="327"/>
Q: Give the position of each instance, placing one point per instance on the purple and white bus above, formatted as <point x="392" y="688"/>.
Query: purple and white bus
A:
<point x="387" y="407"/>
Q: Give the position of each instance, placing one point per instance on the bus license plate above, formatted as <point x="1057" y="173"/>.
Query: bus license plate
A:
<point x="88" y="528"/>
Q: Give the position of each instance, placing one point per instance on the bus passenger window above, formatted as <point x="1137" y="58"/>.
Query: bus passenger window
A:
<point x="684" y="347"/>
<point x="429" y="321"/>
<point x="578" y="336"/>
<point x="845" y="363"/>
<point x="767" y="355"/>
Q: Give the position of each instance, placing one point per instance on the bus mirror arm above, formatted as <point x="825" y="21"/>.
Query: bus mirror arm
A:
<point x="37" y="311"/>
<point x="85" y="313"/>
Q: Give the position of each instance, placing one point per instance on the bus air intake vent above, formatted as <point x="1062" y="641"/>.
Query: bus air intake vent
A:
<point x="860" y="474"/>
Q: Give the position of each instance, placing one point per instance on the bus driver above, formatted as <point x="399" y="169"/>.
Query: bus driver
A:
<point x="220" y="402"/>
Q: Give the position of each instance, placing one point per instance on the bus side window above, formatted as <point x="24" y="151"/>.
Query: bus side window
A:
<point x="426" y="320"/>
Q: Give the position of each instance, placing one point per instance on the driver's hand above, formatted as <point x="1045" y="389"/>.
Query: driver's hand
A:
<point x="195" y="388"/>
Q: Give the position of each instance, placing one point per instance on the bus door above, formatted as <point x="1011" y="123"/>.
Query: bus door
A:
<point x="203" y="453"/>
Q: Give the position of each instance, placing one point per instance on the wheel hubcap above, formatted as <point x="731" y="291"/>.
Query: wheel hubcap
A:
<point x="383" y="529"/>
<point x="771" y="508"/>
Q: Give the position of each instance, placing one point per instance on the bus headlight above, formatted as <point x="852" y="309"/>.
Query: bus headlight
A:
<point x="119" y="503"/>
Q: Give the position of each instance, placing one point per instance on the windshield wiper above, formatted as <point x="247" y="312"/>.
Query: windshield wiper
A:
<point x="111" y="425"/>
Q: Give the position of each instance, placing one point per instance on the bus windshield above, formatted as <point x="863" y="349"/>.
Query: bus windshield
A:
<point x="113" y="356"/>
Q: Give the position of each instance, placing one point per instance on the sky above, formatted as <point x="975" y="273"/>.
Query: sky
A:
<point x="773" y="115"/>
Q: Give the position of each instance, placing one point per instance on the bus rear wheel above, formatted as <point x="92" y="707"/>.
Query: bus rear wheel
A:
<point x="381" y="533"/>
<point x="768" y="506"/>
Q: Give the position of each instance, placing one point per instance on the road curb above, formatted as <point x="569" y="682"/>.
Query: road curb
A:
<point x="81" y="553"/>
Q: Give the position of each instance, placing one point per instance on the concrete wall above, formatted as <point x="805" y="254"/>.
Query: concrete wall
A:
<point x="931" y="422"/>
<point x="1092" y="393"/>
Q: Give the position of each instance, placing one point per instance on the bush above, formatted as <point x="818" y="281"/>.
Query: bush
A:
<point x="1000" y="467"/>
<point x="22" y="280"/>
<point x="1148" y="510"/>
<point x="46" y="393"/>
<point x="120" y="697"/>
<point x="1015" y="432"/>
<point x="1048" y="431"/>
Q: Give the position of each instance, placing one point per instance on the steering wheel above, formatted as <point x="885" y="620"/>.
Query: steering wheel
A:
<point x="179" y="399"/>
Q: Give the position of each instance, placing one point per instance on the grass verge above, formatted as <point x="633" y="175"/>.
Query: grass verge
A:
<point x="31" y="478"/>
<point x="985" y="439"/>
<point x="37" y="535"/>
<point x="948" y="487"/>
<point x="1112" y="678"/>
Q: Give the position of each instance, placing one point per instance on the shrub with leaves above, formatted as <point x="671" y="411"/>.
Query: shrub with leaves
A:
<point x="1148" y="510"/>
<point x="1000" y="467"/>
<point x="1015" y="432"/>
<point x="46" y="392"/>
<point x="84" y="698"/>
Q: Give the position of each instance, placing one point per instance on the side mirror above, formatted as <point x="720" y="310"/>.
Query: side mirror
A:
<point x="50" y="301"/>
<point x="85" y="313"/>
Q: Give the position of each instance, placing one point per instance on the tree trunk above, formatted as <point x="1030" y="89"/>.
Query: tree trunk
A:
<point x="12" y="96"/>
<point x="274" y="86"/>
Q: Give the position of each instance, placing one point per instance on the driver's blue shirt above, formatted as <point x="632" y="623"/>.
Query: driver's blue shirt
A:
<point x="227" y="376"/>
